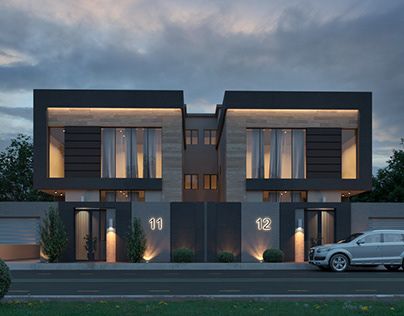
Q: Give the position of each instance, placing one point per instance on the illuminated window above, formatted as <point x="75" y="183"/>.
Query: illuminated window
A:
<point x="349" y="154"/>
<point x="275" y="153"/>
<point x="191" y="182"/>
<point x="56" y="153"/>
<point x="210" y="182"/>
<point x="284" y="196"/>
<point x="122" y="196"/>
<point x="131" y="153"/>
<point x="191" y="137"/>
<point x="210" y="137"/>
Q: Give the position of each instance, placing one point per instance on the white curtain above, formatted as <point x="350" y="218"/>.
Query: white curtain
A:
<point x="149" y="153"/>
<point x="108" y="153"/>
<point x="122" y="152"/>
<point x="298" y="153"/>
<point x="257" y="154"/>
<point x="134" y="154"/>
<point x="275" y="153"/>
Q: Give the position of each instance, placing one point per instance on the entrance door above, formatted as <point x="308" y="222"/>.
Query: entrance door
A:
<point x="90" y="231"/>
<point x="319" y="228"/>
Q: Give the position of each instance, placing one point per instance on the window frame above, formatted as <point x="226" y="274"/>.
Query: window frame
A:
<point x="208" y="139"/>
<point x="192" y="177"/>
<point x="190" y="134"/>
<point x="207" y="185"/>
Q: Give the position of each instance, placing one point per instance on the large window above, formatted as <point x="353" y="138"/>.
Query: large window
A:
<point x="56" y="152"/>
<point x="131" y="153"/>
<point x="349" y="154"/>
<point x="276" y="153"/>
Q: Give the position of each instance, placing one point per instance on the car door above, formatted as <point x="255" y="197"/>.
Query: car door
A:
<point x="367" y="250"/>
<point x="392" y="248"/>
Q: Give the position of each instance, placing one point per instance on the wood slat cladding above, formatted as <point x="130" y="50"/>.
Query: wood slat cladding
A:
<point x="82" y="152"/>
<point x="323" y="153"/>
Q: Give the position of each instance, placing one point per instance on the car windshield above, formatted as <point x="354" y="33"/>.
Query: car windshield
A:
<point x="350" y="238"/>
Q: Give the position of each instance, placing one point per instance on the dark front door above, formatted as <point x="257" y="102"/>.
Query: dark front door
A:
<point x="319" y="228"/>
<point x="90" y="234"/>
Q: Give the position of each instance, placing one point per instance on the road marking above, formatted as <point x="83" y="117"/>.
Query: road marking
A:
<point x="88" y="291"/>
<point x="365" y="290"/>
<point x="229" y="291"/>
<point x="43" y="273"/>
<point x="298" y="291"/>
<point x="159" y="291"/>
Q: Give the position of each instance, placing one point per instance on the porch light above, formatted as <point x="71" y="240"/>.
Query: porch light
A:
<point x="299" y="227"/>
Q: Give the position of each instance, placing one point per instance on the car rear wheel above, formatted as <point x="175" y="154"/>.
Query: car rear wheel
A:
<point x="339" y="262"/>
<point x="391" y="267"/>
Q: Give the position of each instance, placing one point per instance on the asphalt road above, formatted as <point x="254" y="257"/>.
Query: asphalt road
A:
<point x="158" y="283"/>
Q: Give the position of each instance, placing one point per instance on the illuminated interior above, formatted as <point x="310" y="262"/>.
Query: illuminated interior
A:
<point x="275" y="153"/>
<point x="349" y="154"/>
<point x="56" y="153"/>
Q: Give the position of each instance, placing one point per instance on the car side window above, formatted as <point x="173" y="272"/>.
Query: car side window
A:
<point x="371" y="239"/>
<point x="393" y="237"/>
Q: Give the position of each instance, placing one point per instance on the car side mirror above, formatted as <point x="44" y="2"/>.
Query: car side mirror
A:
<point x="360" y="242"/>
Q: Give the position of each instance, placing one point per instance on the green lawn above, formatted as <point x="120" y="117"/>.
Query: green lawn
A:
<point x="203" y="307"/>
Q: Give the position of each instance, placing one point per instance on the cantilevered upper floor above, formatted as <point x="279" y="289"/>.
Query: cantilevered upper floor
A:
<point x="142" y="145"/>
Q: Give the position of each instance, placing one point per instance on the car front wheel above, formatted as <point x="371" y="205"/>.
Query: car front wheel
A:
<point x="339" y="262"/>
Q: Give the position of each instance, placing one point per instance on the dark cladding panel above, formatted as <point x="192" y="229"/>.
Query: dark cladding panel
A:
<point x="223" y="230"/>
<point x="323" y="153"/>
<point x="187" y="228"/>
<point x="82" y="152"/>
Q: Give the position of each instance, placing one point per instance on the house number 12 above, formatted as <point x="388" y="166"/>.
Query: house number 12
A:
<point x="264" y="223"/>
<point x="156" y="223"/>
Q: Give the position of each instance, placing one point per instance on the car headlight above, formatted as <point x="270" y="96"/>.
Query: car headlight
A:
<point x="323" y="250"/>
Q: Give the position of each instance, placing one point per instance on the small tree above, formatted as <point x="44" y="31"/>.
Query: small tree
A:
<point x="5" y="279"/>
<point x="136" y="241"/>
<point x="53" y="235"/>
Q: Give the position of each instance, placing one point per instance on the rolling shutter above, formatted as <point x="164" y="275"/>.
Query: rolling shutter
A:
<point x="19" y="231"/>
<point x="386" y="223"/>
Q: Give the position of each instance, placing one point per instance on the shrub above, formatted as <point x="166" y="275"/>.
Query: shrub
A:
<point x="136" y="241"/>
<point x="5" y="279"/>
<point x="273" y="255"/>
<point x="53" y="235"/>
<point x="183" y="255"/>
<point x="225" y="257"/>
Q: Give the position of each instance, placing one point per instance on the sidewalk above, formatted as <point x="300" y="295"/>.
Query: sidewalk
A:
<point x="17" y="266"/>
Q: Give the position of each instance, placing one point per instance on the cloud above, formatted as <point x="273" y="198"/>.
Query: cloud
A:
<point x="206" y="47"/>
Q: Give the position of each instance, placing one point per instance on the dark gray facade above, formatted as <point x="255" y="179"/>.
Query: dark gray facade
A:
<point x="204" y="219"/>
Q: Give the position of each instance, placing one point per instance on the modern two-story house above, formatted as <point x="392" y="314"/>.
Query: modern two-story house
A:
<point x="267" y="169"/>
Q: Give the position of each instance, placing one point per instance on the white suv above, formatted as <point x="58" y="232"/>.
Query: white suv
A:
<point x="371" y="248"/>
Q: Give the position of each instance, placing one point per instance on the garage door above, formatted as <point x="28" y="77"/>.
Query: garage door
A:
<point x="386" y="222"/>
<point x="19" y="238"/>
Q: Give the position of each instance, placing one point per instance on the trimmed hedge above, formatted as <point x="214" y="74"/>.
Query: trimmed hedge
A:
<point x="183" y="255"/>
<point x="5" y="279"/>
<point x="225" y="256"/>
<point x="273" y="255"/>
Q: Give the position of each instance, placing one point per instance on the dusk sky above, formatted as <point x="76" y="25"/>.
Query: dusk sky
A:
<point x="204" y="48"/>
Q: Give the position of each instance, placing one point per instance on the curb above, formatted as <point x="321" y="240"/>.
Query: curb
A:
<point x="159" y="266"/>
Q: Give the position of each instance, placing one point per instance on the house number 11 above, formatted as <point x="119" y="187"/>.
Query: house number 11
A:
<point x="156" y="223"/>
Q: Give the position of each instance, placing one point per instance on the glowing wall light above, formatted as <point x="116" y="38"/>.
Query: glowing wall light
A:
<point x="111" y="242"/>
<point x="299" y="241"/>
